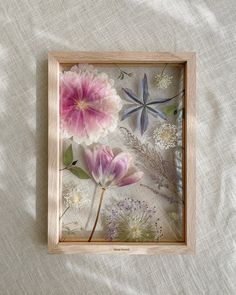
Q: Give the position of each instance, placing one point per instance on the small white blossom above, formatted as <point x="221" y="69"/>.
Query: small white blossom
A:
<point x="162" y="81"/>
<point x="74" y="196"/>
<point x="166" y="136"/>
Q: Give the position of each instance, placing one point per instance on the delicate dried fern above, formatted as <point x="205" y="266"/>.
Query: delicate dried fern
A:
<point x="158" y="168"/>
<point x="171" y="199"/>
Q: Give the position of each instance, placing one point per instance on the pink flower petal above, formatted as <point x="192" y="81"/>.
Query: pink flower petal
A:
<point x="98" y="160"/>
<point x="109" y="169"/>
<point x="99" y="113"/>
<point x="104" y="160"/>
<point x="89" y="159"/>
<point x="130" y="179"/>
<point x="119" y="166"/>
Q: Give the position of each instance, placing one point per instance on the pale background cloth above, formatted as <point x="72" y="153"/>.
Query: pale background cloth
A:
<point x="29" y="29"/>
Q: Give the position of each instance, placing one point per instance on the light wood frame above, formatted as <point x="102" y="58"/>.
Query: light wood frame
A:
<point x="55" y="60"/>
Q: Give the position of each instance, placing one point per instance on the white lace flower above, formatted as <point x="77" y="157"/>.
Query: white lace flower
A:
<point x="166" y="136"/>
<point x="74" y="197"/>
<point x="162" y="81"/>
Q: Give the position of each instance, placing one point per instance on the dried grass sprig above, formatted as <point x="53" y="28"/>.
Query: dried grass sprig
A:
<point x="158" y="167"/>
<point x="171" y="199"/>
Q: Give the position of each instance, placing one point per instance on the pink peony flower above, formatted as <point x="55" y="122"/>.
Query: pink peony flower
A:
<point x="89" y="104"/>
<point x="109" y="168"/>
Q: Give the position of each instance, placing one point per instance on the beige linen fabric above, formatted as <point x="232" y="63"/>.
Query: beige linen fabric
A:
<point x="29" y="29"/>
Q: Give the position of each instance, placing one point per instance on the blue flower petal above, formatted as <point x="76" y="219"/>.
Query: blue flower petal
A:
<point x="156" y="113"/>
<point x="131" y="96"/>
<point x="129" y="111"/>
<point x="159" y="101"/>
<point x="164" y="100"/>
<point x="145" y="88"/>
<point x="143" y="120"/>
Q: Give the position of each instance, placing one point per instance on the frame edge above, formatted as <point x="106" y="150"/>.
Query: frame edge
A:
<point x="53" y="151"/>
<point x="190" y="156"/>
<point x="54" y="60"/>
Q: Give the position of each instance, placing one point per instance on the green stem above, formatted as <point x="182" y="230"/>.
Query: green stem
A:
<point x="98" y="212"/>
<point x="67" y="167"/>
<point x="64" y="212"/>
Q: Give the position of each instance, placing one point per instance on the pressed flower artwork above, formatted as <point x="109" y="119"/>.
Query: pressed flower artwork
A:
<point x="121" y="153"/>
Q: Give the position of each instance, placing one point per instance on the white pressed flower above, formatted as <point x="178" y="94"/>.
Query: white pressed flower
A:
<point x="162" y="80"/>
<point x="74" y="196"/>
<point x="166" y="136"/>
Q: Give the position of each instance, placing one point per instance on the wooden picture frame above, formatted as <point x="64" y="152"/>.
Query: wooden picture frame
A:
<point x="55" y="61"/>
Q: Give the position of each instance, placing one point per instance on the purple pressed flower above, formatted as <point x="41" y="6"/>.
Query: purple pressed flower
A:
<point x="109" y="168"/>
<point x="143" y="106"/>
<point x="132" y="221"/>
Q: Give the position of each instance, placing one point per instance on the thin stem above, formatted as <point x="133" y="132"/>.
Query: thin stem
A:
<point x="125" y="72"/>
<point x="91" y="207"/>
<point x="162" y="72"/>
<point x="75" y="161"/>
<point x="121" y="69"/>
<point x="165" y="100"/>
<point x="118" y="67"/>
<point x="64" y="212"/>
<point x="98" y="212"/>
<point x="168" y="198"/>
<point x="163" y="69"/>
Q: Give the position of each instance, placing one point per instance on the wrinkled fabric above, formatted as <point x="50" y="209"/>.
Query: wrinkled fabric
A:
<point x="28" y="30"/>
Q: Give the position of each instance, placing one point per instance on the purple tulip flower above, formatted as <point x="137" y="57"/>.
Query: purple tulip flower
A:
<point x="109" y="168"/>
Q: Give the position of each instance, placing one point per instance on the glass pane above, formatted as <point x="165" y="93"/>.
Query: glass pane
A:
<point x="121" y="152"/>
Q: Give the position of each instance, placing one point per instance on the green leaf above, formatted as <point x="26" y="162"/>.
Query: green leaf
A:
<point x="79" y="172"/>
<point x="68" y="156"/>
<point x="169" y="110"/>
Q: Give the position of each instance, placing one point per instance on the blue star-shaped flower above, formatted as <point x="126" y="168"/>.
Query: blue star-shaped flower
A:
<point x="143" y="106"/>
